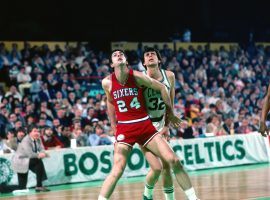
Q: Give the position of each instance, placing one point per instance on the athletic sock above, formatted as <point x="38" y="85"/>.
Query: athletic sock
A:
<point x="169" y="193"/>
<point x="148" y="191"/>
<point x="190" y="193"/>
<point x="102" y="198"/>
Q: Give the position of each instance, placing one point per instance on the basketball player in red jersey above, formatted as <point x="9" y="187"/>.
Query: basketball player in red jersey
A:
<point x="126" y="107"/>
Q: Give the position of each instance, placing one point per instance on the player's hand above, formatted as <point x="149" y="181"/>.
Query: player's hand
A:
<point x="165" y="133"/>
<point x="263" y="129"/>
<point x="174" y="120"/>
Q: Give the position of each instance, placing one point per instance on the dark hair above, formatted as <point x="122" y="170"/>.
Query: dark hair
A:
<point x="47" y="128"/>
<point x="150" y="49"/>
<point x="196" y="119"/>
<point x="115" y="51"/>
<point x="31" y="127"/>
<point x="21" y="129"/>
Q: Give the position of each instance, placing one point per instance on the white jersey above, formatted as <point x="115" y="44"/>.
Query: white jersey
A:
<point x="155" y="106"/>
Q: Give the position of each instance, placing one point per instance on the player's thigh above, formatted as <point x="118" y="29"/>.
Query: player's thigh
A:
<point x="162" y="149"/>
<point x="121" y="153"/>
<point x="152" y="159"/>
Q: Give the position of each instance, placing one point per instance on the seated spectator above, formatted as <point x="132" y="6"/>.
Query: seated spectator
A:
<point x="228" y="124"/>
<point x="29" y="156"/>
<point x="64" y="135"/>
<point x="36" y="88"/>
<point x="193" y="131"/>
<point x="11" y="140"/>
<point x="24" y="81"/>
<point x="244" y="128"/>
<point x="79" y="135"/>
<point x="3" y="147"/>
<point x="99" y="137"/>
<point x="49" y="140"/>
<point x="255" y="122"/>
<point x="214" y="126"/>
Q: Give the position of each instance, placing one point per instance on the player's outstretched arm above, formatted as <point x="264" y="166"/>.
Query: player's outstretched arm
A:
<point x="143" y="80"/>
<point x="265" y="109"/>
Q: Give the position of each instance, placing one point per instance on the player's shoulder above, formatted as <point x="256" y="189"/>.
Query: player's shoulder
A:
<point x="169" y="74"/>
<point x="107" y="81"/>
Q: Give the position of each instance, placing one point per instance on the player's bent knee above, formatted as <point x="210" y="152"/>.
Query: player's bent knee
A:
<point x="157" y="171"/>
<point x="173" y="160"/>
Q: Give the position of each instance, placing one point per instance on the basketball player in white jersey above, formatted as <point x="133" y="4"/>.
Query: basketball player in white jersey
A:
<point x="157" y="111"/>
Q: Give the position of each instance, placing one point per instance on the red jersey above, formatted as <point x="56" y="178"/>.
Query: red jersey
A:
<point x="128" y="99"/>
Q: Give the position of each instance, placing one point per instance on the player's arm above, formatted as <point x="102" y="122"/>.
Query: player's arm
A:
<point x="165" y="130"/>
<point x="143" y="80"/>
<point x="106" y="85"/>
<point x="171" y="78"/>
<point x="265" y="110"/>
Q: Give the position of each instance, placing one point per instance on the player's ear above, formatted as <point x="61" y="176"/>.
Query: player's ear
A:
<point x="111" y="65"/>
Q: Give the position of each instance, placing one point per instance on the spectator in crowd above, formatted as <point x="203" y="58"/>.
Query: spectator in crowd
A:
<point x="99" y="137"/>
<point x="64" y="135"/>
<point x="36" y="88"/>
<point x="207" y="82"/>
<point x="11" y="140"/>
<point x="214" y="126"/>
<point x="3" y="147"/>
<point x="29" y="156"/>
<point x="78" y="134"/>
<point x="49" y="140"/>
<point x="23" y="80"/>
<point x="244" y="128"/>
<point x="193" y="131"/>
<point x="14" y="93"/>
<point x="228" y="124"/>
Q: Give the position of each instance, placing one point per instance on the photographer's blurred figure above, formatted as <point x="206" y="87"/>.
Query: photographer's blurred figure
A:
<point x="29" y="155"/>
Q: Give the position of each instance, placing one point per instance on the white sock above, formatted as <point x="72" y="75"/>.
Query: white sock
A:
<point x="101" y="198"/>
<point x="190" y="193"/>
<point x="169" y="193"/>
<point x="148" y="191"/>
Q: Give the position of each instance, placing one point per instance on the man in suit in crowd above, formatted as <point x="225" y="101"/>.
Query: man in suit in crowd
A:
<point x="29" y="156"/>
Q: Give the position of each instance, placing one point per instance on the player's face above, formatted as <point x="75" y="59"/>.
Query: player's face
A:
<point x="150" y="59"/>
<point x="118" y="58"/>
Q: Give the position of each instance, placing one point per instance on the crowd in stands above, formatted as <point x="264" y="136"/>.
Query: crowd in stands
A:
<point x="218" y="92"/>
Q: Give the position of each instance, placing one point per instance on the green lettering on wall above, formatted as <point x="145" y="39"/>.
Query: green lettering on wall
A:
<point x="209" y="146"/>
<point x="70" y="165"/>
<point x="224" y="149"/>
<point x="218" y="151"/>
<point x="105" y="158"/>
<point x="178" y="148"/>
<point x="140" y="163"/>
<point x="198" y="158"/>
<point x="239" y="147"/>
<point x="188" y="154"/>
<point x="82" y="166"/>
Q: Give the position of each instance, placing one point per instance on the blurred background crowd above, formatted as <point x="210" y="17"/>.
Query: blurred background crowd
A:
<point x="218" y="92"/>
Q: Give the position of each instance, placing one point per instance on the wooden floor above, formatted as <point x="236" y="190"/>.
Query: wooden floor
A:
<point x="228" y="183"/>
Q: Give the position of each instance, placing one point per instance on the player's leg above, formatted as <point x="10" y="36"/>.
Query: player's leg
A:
<point x="153" y="174"/>
<point x="167" y="181"/>
<point x="121" y="153"/>
<point x="162" y="149"/>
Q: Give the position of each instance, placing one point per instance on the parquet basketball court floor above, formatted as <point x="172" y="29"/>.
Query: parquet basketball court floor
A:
<point x="241" y="182"/>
